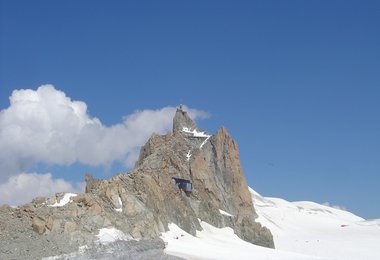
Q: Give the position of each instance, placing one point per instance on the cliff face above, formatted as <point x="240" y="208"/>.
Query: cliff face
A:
<point x="211" y="163"/>
<point x="143" y="202"/>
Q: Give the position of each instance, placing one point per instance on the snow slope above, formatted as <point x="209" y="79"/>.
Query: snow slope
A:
<point x="301" y="230"/>
<point x="218" y="243"/>
<point x="310" y="228"/>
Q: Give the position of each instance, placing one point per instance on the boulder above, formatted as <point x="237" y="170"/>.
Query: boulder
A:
<point x="38" y="225"/>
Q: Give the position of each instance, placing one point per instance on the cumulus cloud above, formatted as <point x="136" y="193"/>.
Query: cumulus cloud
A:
<point x="22" y="188"/>
<point x="46" y="126"/>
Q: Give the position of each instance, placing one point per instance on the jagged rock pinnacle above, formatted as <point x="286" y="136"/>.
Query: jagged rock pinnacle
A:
<point x="181" y="120"/>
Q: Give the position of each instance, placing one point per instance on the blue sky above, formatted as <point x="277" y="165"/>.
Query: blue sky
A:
<point x="296" y="83"/>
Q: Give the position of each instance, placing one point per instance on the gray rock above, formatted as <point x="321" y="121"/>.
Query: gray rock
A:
<point x="181" y="120"/>
<point x="38" y="225"/>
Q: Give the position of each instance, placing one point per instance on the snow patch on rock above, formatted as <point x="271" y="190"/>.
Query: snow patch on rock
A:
<point x="109" y="235"/>
<point x="194" y="132"/>
<point x="120" y="209"/>
<point x="66" y="199"/>
<point x="225" y="213"/>
<point x="204" y="142"/>
<point x="188" y="155"/>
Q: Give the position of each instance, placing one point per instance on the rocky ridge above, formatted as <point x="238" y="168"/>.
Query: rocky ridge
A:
<point x="143" y="202"/>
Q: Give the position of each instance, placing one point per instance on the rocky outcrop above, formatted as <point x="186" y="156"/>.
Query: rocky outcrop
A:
<point x="182" y="119"/>
<point x="212" y="164"/>
<point x="144" y="201"/>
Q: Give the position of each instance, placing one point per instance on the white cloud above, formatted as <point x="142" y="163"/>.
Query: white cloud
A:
<point x="45" y="125"/>
<point x="22" y="188"/>
<point x="334" y="206"/>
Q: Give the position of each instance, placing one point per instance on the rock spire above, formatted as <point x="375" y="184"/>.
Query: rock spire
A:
<point x="182" y="120"/>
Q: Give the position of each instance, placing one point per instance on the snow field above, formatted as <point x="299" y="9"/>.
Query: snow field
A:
<point x="301" y="230"/>
<point x="218" y="243"/>
<point x="315" y="229"/>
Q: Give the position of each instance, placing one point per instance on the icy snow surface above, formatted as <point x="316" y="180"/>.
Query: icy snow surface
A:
<point x="66" y="199"/>
<point x="225" y="213"/>
<point x="109" y="235"/>
<point x="313" y="229"/>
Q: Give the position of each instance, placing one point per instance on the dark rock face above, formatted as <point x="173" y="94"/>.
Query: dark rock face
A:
<point x="143" y="202"/>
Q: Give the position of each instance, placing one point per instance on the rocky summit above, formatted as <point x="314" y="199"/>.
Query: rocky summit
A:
<point x="179" y="178"/>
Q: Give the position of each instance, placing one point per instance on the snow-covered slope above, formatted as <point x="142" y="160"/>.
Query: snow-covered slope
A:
<point x="301" y="230"/>
<point x="314" y="229"/>
<point x="219" y="243"/>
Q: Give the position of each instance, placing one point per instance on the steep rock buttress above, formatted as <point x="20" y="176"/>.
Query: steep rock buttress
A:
<point x="212" y="164"/>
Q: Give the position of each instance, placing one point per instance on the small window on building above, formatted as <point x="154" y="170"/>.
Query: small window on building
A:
<point x="184" y="185"/>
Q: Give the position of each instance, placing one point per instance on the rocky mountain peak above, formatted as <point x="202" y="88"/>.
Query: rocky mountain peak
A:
<point x="142" y="203"/>
<point x="182" y="120"/>
<point x="211" y="163"/>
